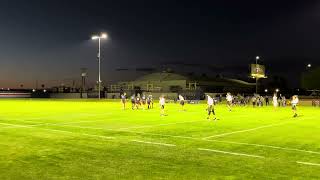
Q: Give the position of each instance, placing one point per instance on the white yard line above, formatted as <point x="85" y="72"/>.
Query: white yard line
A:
<point x="265" y="146"/>
<point x="254" y="129"/>
<point x="157" y="125"/>
<point x="154" y="143"/>
<point x="200" y="139"/>
<point x="248" y="130"/>
<point x="231" y="153"/>
<point x="180" y="137"/>
<point x="308" y="163"/>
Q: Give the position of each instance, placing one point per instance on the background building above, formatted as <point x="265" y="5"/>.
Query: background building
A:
<point x="166" y="82"/>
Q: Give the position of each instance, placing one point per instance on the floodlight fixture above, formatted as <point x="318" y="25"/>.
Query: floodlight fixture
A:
<point x="96" y="37"/>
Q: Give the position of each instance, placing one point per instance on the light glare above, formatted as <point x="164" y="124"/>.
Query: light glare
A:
<point x="94" y="37"/>
<point x="104" y="36"/>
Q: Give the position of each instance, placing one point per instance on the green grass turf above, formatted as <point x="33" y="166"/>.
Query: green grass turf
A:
<point x="64" y="139"/>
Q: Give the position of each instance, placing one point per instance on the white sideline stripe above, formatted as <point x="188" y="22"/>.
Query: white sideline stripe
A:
<point x="308" y="163"/>
<point x="248" y="130"/>
<point x="156" y="125"/>
<point x="56" y="130"/>
<point x="186" y="137"/>
<point x="135" y="132"/>
<point x="40" y="124"/>
<point x="155" y="143"/>
<point x="231" y="153"/>
<point x="57" y="116"/>
<point x="200" y="139"/>
<point x="8" y="125"/>
<point x="84" y="134"/>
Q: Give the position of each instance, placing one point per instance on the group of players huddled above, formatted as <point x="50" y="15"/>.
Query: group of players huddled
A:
<point x="137" y="101"/>
<point x="146" y="102"/>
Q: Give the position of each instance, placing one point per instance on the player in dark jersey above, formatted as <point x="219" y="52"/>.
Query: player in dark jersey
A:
<point x="150" y="102"/>
<point x="133" y="102"/>
<point x="144" y="101"/>
<point x="123" y="100"/>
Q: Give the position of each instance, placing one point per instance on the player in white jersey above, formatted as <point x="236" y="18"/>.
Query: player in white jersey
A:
<point x="138" y="101"/>
<point x="123" y="100"/>
<point x="162" y="102"/>
<point x="181" y="99"/>
<point x="294" y="103"/>
<point x="275" y="101"/>
<point x="229" y="99"/>
<point x="210" y="107"/>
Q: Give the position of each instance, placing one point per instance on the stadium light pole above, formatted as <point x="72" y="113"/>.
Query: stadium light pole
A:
<point x="96" y="37"/>
<point x="257" y="58"/>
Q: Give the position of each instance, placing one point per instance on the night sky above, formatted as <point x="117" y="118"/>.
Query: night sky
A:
<point x="49" y="40"/>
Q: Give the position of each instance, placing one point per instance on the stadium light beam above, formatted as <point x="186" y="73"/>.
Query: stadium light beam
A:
<point x="96" y="37"/>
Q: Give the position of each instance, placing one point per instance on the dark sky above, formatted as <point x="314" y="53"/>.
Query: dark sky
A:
<point x="49" y="40"/>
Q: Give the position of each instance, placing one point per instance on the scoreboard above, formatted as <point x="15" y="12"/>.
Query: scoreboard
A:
<point x="258" y="71"/>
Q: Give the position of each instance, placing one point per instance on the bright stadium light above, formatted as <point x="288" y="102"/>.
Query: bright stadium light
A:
<point x="277" y="90"/>
<point x="266" y="90"/>
<point x="95" y="37"/>
<point x="104" y="36"/>
<point x="257" y="57"/>
<point x="309" y="65"/>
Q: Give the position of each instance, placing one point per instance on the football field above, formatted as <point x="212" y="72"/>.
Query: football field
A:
<point x="90" y="139"/>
